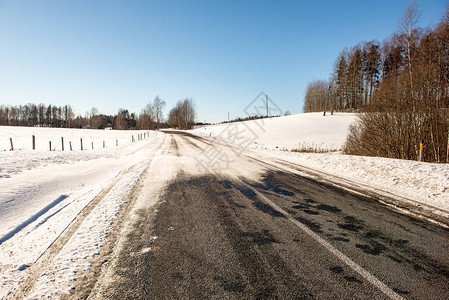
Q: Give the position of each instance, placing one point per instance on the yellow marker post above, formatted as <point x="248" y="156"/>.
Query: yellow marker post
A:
<point x="420" y="150"/>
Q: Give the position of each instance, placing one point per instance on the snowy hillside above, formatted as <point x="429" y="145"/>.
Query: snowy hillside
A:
<point x="302" y="131"/>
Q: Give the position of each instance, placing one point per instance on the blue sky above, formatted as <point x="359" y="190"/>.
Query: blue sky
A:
<point x="121" y="54"/>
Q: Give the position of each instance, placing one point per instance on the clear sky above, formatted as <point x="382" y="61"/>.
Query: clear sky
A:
<point x="222" y="54"/>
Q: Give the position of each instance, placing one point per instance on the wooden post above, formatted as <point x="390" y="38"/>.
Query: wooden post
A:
<point x="62" y="143"/>
<point x="49" y="145"/>
<point x="92" y="145"/>
<point x="12" y="145"/>
<point x="132" y="139"/>
<point x="116" y="142"/>
<point x="104" y="145"/>
<point x="81" y="140"/>
<point x="34" y="142"/>
<point x="70" y="144"/>
<point x="266" y="96"/>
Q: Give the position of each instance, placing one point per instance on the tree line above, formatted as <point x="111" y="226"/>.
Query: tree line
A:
<point x="401" y="89"/>
<point x="37" y="115"/>
<point x="151" y="117"/>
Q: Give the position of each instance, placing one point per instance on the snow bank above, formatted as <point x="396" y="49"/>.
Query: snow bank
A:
<point x="425" y="183"/>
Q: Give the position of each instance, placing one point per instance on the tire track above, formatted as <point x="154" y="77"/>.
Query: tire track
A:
<point x="52" y="251"/>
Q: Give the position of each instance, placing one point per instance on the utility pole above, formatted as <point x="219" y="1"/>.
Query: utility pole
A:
<point x="332" y="101"/>
<point x="266" y="97"/>
<point x="325" y="104"/>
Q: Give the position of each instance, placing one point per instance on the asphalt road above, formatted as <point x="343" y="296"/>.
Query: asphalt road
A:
<point x="277" y="235"/>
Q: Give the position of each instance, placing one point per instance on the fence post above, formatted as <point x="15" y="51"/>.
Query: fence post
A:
<point x="104" y="145"/>
<point x="81" y="144"/>
<point x="49" y="145"/>
<point x="62" y="143"/>
<point x="116" y="142"/>
<point x="70" y="144"/>
<point x="92" y="145"/>
<point x="34" y="142"/>
<point x="12" y="145"/>
<point x="133" y="138"/>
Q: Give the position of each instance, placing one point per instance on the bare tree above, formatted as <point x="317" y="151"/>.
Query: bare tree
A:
<point x="146" y="118"/>
<point x="410" y="36"/>
<point x="96" y="120"/>
<point x="158" y="109"/>
<point x="317" y="94"/>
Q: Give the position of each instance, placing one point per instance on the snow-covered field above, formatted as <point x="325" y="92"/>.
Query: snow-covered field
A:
<point x="96" y="144"/>
<point x="43" y="193"/>
<point x="423" y="183"/>
<point x="22" y="138"/>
